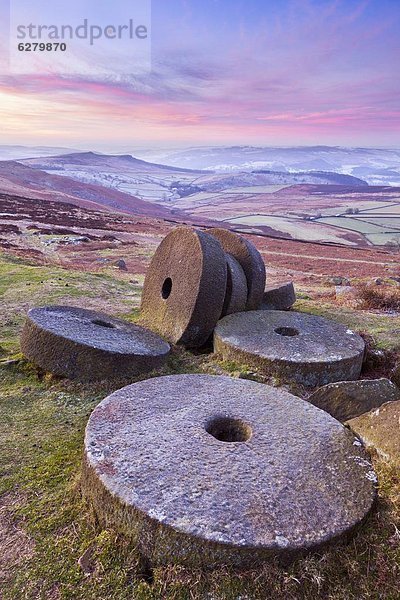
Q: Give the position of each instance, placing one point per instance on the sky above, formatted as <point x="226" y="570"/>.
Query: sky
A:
<point x="256" y="72"/>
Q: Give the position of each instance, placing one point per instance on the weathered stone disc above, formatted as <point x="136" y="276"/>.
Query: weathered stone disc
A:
<point x="293" y="346"/>
<point x="250" y="260"/>
<point x="185" y="285"/>
<point x="205" y="470"/>
<point x="236" y="288"/>
<point x="86" y="345"/>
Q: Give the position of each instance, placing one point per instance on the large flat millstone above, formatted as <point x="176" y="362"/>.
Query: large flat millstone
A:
<point x="207" y="470"/>
<point x="308" y="349"/>
<point x="185" y="286"/>
<point x="87" y="345"/>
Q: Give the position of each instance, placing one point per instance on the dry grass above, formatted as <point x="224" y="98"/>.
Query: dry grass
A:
<point x="385" y="298"/>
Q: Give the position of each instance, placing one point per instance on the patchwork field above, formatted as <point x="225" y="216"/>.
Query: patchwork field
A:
<point x="351" y="217"/>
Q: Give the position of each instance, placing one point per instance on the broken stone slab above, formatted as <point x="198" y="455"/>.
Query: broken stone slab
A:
<point x="208" y="470"/>
<point x="185" y="285"/>
<point x="379" y="429"/>
<point x="87" y="346"/>
<point x="291" y="346"/>
<point x="279" y="296"/>
<point x="250" y="260"/>
<point x="345" y="400"/>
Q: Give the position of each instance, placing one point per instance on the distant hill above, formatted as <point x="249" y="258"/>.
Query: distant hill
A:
<point x="334" y="159"/>
<point x="219" y="182"/>
<point x="22" y="180"/>
<point x="96" y="159"/>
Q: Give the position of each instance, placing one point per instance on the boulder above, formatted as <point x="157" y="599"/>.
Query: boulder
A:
<point x="345" y="400"/>
<point x="121" y="265"/>
<point x="279" y="296"/>
<point x="379" y="429"/>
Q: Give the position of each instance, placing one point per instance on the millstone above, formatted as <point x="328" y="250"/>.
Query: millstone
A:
<point x="185" y="286"/>
<point x="279" y="296"/>
<point x="236" y="288"/>
<point x="292" y="346"/>
<point x="86" y="345"/>
<point x="207" y="470"/>
<point x="250" y="260"/>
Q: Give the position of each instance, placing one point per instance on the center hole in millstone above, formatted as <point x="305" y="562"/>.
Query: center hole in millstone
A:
<point x="287" y="331"/>
<point x="228" y="429"/>
<point x="102" y="323"/>
<point x="166" y="288"/>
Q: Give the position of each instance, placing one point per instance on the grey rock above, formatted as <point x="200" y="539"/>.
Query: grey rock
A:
<point x="345" y="291"/>
<point x="307" y="349"/>
<point x="339" y="281"/>
<point x="121" y="265"/>
<point x="279" y="296"/>
<point x="348" y="399"/>
<point x="379" y="429"/>
<point x="208" y="470"/>
<point x="88" y="346"/>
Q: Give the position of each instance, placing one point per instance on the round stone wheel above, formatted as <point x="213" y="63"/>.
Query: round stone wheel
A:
<point x="208" y="470"/>
<point x="250" y="260"/>
<point x="307" y="349"/>
<point x="88" y="346"/>
<point x="236" y="288"/>
<point x="185" y="285"/>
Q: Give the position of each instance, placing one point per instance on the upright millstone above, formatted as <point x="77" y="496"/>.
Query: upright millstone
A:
<point x="185" y="286"/>
<point x="207" y="470"/>
<point x="236" y="288"/>
<point x="307" y="349"/>
<point x="88" y="346"/>
<point x="249" y="259"/>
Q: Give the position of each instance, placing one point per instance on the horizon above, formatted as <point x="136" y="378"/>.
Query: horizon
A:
<point x="293" y="73"/>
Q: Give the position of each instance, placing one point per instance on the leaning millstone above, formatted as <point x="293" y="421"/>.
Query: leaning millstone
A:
<point x="298" y="347"/>
<point x="236" y="288"/>
<point x="185" y="286"/>
<point x="250" y="260"/>
<point x="208" y="470"/>
<point x="348" y="399"/>
<point x="88" y="346"/>
<point x="380" y="429"/>
<point x="279" y="296"/>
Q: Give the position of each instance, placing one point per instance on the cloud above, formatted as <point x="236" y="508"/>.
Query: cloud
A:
<point x="315" y="66"/>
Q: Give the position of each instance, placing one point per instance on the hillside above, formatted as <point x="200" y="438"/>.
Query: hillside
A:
<point x="22" y="180"/>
